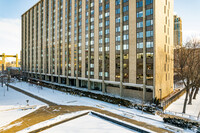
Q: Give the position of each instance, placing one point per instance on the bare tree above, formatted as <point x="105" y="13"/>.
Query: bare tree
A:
<point x="186" y="67"/>
<point x="197" y="79"/>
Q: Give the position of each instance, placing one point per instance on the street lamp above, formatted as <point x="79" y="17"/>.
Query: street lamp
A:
<point x="160" y="95"/>
<point x="38" y="85"/>
<point x="2" y="80"/>
<point x="7" y="85"/>
<point x="29" y="82"/>
<point x="52" y="88"/>
<point x="21" y="81"/>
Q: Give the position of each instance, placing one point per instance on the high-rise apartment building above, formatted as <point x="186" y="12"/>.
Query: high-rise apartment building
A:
<point x="120" y="47"/>
<point x="177" y="31"/>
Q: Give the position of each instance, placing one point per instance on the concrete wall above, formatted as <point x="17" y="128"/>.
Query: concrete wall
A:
<point x="163" y="47"/>
<point x="129" y="93"/>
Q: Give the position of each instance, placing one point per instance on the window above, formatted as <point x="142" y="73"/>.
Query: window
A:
<point x="139" y="14"/>
<point x="92" y="19"/>
<point x="149" y="22"/>
<point x="125" y="18"/>
<point x="100" y="73"/>
<point x="107" y="14"/>
<point x="149" y="2"/>
<point x="91" y="65"/>
<point x="100" y="49"/>
<point x="117" y="29"/>
<point x="149" y="33"/>
<point x="118" y="47"/>
<point x="100" y="40"/>
<point x="92" y="4"/>
<point x="107" y="23"/>
<point x="92" y="12"/>
<point x="118" y="38"/>
<point x="92" y="34"/>
<point x="140" y="45"/>
<point x="139" y="4"/>
<point x="125" y="47"/>
<point x="149" y="12"/>
<point x="140" y="56"/>
<point x="100" y="33"/>
<point x="106" y="40"/>
<point x="91" y="73"/>
<point x="125" y="27"/>
<point x="117" y="20"/>
<point x="101" y="24"/>
<point x="140" y="35"/>
<point x="149" y="44"/>
<point x="125" y="8"/>
<point x="139" y="24"/>
<point x="149" y="55"/>
<point x="100" y="8"/>
<point x="117" y="2"/>
<point x="125" y="37"/>
<point x="106" y="74"/>
<point x="100" y="16"/>
<point x="107" y="31"/>
<point x="106" y="48"/>
<point x="107" y="6"/>
<point x="125" y="1"/>
<point x="92" y="27"/>
<point x="117" y="11"/>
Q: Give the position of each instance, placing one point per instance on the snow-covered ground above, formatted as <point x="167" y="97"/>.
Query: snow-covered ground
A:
<point x="192" y="110"/>
<point x="87" y="124"/>
<point x="11" y="104"/>
<point x="52" y="121"/>
<point x="64" y="98"/>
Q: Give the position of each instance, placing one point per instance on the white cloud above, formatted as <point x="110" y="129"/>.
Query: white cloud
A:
<point x="10" y="36"/>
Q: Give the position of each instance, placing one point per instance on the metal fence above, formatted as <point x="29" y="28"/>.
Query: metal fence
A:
<point x="182" y="115"/>
<point x="176" y="96"/>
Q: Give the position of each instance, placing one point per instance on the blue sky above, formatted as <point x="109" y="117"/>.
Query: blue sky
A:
<point x="189" y="11"/>
<point x="15" y="8"/>
<point x="11" y="11"/>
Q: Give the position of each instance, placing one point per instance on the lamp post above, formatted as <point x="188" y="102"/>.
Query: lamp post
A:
<point x="2" y="81"/>
<point x="4" y="91"/>
<point x="21" y="81"/>
<point x="38" y="85"/>
<point x="29" y="82"/>
<point x="52" y="88"/>
<point x="41" y="85"/>
<point x="7" y="85"/>
<point x="160" y="95"/>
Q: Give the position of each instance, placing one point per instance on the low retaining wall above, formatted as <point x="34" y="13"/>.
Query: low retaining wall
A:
<point x="166" y="103"/>
<point x="120" y="123"/>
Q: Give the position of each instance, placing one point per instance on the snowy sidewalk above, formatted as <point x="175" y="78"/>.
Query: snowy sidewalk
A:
<point x="191" y="110"/>
<point x="64" y="98"/>
<point x="13" y="105"/>
<point x="33" y="96"/>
